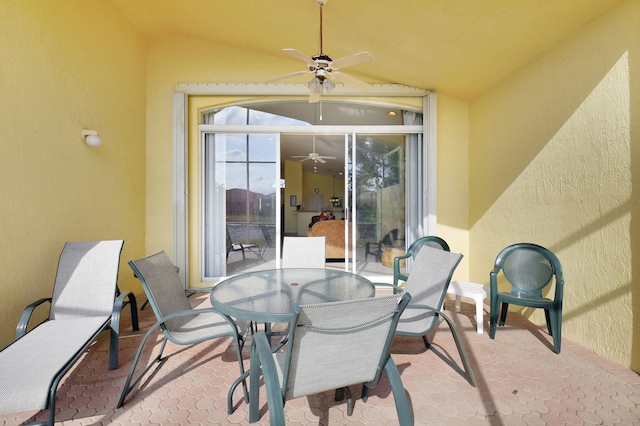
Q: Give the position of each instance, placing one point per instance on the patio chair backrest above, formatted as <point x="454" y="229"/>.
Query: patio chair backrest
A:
<point x="162" y="286"/>
<point x="429" y="240"/>
<point x="267" y="235"/>
<point x="303" y="252"/>
<point x="86" y="279"/>
<point x="429" y="280"/>
<point x="528" y="269"/>
<point x="338" y="344"/>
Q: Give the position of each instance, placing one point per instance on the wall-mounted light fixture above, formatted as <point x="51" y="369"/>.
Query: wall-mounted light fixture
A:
<point x="334" y="199"/>
<point x="91" y="137"/>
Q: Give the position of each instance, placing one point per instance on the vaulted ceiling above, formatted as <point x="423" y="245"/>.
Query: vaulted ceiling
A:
<point x="459" y="48"/>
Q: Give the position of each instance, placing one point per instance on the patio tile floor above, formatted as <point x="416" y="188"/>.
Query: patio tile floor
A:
<point x="521" y="381"/>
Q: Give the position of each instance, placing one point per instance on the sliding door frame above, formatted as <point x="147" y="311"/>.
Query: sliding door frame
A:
<point x="180" y="145"/>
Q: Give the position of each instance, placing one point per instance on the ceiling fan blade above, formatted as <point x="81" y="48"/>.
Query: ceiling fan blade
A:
<point x="314" y="97"/>
<point x="350" y="80"/>
<point x="304" y="58"/>
<point x="287" y="76"/>
<point x="304" y="159"/>
<point x="326" y="157"/>
<point x="300" y="156"/>
<point x="351" y="60"/>
<point x="320" y="160"/>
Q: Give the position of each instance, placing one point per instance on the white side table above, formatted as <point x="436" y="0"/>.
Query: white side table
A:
<point x="474" y="291"/>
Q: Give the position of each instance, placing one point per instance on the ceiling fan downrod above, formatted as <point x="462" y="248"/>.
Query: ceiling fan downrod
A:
<point x="321" y="3"/>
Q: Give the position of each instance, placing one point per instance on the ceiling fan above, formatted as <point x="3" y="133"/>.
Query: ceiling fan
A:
<point x="313" y="155"/>
<point x="325" y="69"/>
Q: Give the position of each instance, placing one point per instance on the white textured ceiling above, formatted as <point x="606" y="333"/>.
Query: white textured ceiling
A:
<point x="459" y="48"/>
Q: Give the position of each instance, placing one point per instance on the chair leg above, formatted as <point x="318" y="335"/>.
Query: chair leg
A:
<point x="549" y="327"/>
<point x="405" y="417"/>
<point x="426" y="341"/>
<point x="241" y="379"/>
<point x="467" y="372"/>
<point x="115" y="325"/>
<point x="129" y="384"/>
<point x="503" y="314"/>
<point x="340" y="393"/>
<point x="556" y="323"/>
<point x="493" y="318"/>
<point x="261" y="359"/>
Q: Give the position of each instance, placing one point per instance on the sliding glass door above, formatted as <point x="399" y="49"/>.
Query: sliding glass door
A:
<point x="377" y="166"/>
<point x="244" y="215"/>
<point x="240" y="196"/>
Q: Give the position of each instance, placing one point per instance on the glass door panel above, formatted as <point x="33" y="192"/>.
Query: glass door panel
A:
<point x="377" y="186"/>
<point x="240" y="194"/>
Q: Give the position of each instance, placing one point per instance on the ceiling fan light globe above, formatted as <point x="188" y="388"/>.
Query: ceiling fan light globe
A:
<point x="328" y="85"/>
<point x="315" y="85"/>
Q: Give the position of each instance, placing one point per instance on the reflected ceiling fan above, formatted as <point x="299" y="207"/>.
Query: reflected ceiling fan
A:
<point x="313" y="155"/>
<point x="325" y="69"/>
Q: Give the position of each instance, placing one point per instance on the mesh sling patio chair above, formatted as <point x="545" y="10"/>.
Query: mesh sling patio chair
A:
<point x="428" y="283"/>
<point x="81" y="307"/>
<point x="330" y="346"/>
<point x="241" y="247"/>
<point x="300" y="252"/>
<point x="303" y="252"/>
<point x="412" y="252"/>
<point x="375" y="249"/>
<point x="179" y="322"/>
<point x="268" y="240"/>
<point x="528" y="269"/>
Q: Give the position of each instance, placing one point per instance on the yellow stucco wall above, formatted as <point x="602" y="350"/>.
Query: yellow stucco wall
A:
<point x="67" y="65"/>
<point x="555" y="160"/>
<point x="325" y="185"/>
<point x="453" y="179"/>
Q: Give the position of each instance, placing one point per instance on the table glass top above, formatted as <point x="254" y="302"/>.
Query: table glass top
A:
<point x="278" y="291"/>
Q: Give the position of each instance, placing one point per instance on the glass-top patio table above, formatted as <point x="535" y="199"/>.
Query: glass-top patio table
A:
<point x="270" y="296"/>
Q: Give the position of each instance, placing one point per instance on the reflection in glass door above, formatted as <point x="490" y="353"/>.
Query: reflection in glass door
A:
<point x="377" y="205"/>
<point x="240" y="195"/>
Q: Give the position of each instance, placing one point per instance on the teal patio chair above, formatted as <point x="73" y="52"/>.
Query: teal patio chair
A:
<point x="179" y="322"/>
<point x="412" y="252"/>
<point x="330" y="346"/>
<point x="428" y="282"/>
<point x="528" y="269"/>
<point x="268" y="243"/>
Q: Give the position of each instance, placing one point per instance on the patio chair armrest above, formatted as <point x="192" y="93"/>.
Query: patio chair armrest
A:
<point x="115" y="324"/>
<point x="396" y="289"/>
<point x="23" y="323"/>
<point x="397" y="275"/>
<point x="404" y="256"/>
<point x="194" y="312"/>
<point x="396" y="262"/>
<point x="193" y="291"/>
<point x="262" y="363"/>
<point x="121" y="302"/>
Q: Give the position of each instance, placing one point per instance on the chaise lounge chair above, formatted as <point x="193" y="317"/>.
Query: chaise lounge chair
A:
<point x="82" y="306"/>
